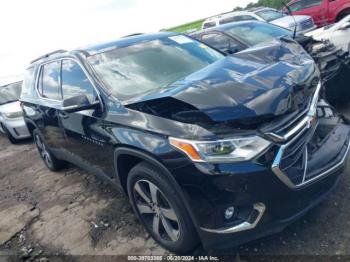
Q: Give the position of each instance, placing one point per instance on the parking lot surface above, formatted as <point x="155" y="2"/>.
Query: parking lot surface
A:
<point x="73" y="213"/>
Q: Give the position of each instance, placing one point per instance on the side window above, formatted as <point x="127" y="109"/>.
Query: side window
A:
<point x="209" y="24"/>
<point x="304" y="4"/>
<point x="246" y="18"/>
<point x="294" y="7"/>
<point x="75" y="82"/>
<point x="49" y="86"/>
<point x="311" y="3"/>
<point x="221" y="42"/>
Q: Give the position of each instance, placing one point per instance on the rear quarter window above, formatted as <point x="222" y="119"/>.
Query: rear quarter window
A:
<point x="49" y="86"/>
<point x="28" y="84"/>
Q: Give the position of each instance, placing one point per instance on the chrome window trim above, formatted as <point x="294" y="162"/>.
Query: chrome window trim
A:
<point x="259" y="207"/>
<point x="61" y="60"/>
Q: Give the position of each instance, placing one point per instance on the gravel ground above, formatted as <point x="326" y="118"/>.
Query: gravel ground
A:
<point x="43" y="214"/>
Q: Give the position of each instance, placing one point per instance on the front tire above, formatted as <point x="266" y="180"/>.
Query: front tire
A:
<point x="8" y="134"/>
<point x="160" y="209"/>
<point x="49" y="159"/>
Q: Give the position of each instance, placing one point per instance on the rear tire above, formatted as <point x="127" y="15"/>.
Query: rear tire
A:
<point x="46" y="155"/>
<point x="8" y="134"/>
<point x="160" y="209"/>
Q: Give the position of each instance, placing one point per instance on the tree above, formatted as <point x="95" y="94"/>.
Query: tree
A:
<point x="277" y="4"/>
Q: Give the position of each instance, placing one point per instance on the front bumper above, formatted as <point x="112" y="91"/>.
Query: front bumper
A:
<point x="265" y="203"/>
<point x="270" y="222"/>
<point x="17" y="128"/>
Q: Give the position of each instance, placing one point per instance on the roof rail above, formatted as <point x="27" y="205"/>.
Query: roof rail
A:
<point x="253" y="9"/>
<point x="136" y="34"/>
<point x="48" y="55"/>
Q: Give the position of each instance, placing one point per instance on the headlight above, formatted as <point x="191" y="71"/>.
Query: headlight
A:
<point x="221" y="151"/>
<point x="13" y="115"/>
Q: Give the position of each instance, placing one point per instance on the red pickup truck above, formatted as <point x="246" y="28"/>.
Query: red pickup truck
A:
<point x="322" y="11"/>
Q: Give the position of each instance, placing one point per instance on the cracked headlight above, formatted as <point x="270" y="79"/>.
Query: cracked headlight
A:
<point x="13" y="115"/>
<point x="221" y="151"/>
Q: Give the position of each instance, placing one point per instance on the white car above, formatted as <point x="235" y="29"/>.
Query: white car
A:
<point x="338" y="34"/>
<point x="11" y="117"/>
<point x="264" y="14"/>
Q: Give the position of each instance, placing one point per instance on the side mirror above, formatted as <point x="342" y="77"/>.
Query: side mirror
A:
<point x="345" y="26"/>
<point x="78" y="103"/>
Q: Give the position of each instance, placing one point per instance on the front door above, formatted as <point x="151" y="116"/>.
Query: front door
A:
<point x="317" y="9"/>
<point x="84" y="132"/>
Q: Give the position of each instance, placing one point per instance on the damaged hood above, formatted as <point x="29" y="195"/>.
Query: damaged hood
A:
<point x="260" y="83"/>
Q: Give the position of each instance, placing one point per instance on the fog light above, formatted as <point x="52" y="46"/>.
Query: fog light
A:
<point x="229" y="213"/>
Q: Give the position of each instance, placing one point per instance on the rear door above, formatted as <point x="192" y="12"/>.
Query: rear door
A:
<point x="49" y="91"/>
<point x="84" y="132"/>
<point x="318" y="9"/>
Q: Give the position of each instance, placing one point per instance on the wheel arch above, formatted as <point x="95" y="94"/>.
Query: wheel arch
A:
<point x="343" y="12"/>
<point x="138" y="156"/>
<point x="31" y="127"/>
<point x="130" y="157"/>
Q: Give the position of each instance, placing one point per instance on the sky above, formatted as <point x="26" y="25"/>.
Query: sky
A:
<point x="30" y="28"/>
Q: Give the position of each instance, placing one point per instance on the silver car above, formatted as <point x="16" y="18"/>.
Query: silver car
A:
<point x="302" y="23"/>
<point x="11" y="118"/>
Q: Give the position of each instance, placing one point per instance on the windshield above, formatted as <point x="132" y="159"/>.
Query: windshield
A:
<point x="10" y="93"/>
<point x="269" y="15"/>
<point x="150" y="66"/>
<point x="256" y="33"/>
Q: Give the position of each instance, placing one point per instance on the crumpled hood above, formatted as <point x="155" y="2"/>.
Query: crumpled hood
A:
<point x="11" y="107"/>
<point x="317" y="33"/>
<point x="266" y="81"/>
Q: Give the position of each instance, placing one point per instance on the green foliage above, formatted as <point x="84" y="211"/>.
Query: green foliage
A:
<point x="196" y="25"/>
<point x="277" y="4"/>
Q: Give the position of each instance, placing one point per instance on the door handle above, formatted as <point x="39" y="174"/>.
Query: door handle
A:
<point x="63" y="115"/>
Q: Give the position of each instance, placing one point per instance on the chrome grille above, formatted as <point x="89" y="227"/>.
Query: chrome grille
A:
<point x="294" y="160"/>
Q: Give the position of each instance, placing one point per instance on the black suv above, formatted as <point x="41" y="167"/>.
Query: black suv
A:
<point x="209" y="149"/>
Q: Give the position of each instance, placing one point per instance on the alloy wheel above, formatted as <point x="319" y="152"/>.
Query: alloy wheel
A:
<point x="44" y="153"/>
<point x="156" y="211"/>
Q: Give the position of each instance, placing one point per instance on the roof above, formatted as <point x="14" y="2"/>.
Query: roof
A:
<point x="235" y="13"/>
<point x="123" y="42"/>
<point x="101" y="47"/>
<point x="256" y="9"/>
<point x="225" y="26"/>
